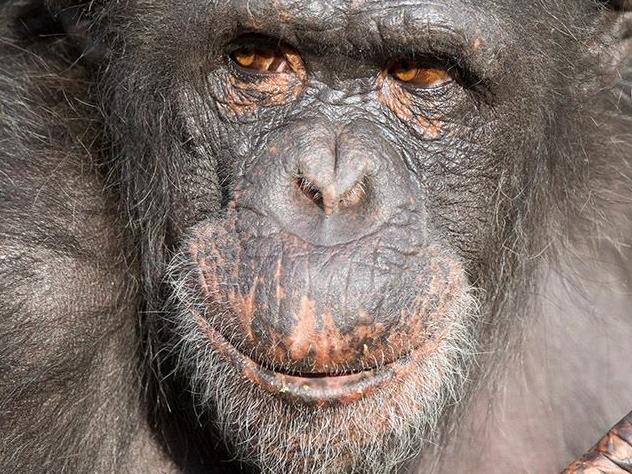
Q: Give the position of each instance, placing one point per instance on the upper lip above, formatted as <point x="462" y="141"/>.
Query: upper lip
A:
<point x="322" y="390"/>
<point x="287" y="228"/>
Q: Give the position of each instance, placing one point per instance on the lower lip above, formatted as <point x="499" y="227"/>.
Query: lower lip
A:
<point x="315" y="391"/>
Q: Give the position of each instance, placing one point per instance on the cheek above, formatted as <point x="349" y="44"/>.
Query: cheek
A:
<point x="463" y="177"/>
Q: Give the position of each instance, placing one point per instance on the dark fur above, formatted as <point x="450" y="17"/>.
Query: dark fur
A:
<point x="89" y="220"/>
<point x="68" y="350"/>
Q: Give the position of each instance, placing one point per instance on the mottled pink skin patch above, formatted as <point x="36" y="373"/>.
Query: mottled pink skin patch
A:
<point x="289" y="325"/>
<point x="399" y="102"/>
<point x="312" y="342"/>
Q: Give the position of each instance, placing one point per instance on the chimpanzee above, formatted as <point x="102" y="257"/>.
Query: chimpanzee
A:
<point x="319" y="236"/>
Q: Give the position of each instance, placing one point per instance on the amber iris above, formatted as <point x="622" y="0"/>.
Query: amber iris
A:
<point x="423" y="77"/>
<point x="261" y="59"/>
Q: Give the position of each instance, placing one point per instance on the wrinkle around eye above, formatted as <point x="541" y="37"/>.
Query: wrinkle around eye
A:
<point x="422" y="110"/>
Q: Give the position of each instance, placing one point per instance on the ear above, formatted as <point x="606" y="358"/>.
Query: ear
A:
<point x="76" y="20"/>
<point x="613" y="47"/>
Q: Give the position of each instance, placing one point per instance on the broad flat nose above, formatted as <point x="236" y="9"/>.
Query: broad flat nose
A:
<point x="331" y="184"/>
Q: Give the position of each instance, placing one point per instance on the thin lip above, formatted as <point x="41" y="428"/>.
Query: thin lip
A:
<point x="320" y="392"/>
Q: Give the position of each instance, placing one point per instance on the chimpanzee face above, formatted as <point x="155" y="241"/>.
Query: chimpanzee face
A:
<point x="348" y="181"/>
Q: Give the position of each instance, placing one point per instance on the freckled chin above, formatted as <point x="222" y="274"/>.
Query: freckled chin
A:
<point x="301" y="309"/>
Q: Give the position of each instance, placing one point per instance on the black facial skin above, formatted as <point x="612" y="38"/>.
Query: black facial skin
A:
<point x="311" y="262"/>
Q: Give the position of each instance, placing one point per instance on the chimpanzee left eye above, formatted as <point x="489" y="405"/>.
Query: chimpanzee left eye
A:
<point x="266" y="60"/>
<point x="425" y="77"/>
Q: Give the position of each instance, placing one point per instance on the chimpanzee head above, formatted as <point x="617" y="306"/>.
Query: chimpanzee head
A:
<point x="346" y="199"/>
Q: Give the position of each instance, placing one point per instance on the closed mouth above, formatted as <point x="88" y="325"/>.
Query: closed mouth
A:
<point x="319" y="390"/>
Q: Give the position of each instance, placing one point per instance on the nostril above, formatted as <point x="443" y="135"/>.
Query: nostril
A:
<point x="333" y="195"/>
<point x="309" y="190"/>
<point x="355" y="194"/>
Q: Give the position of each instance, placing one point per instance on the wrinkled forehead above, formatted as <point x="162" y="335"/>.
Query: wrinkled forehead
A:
<point x="352" y="24"/>
<point x="483" y="33"/>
